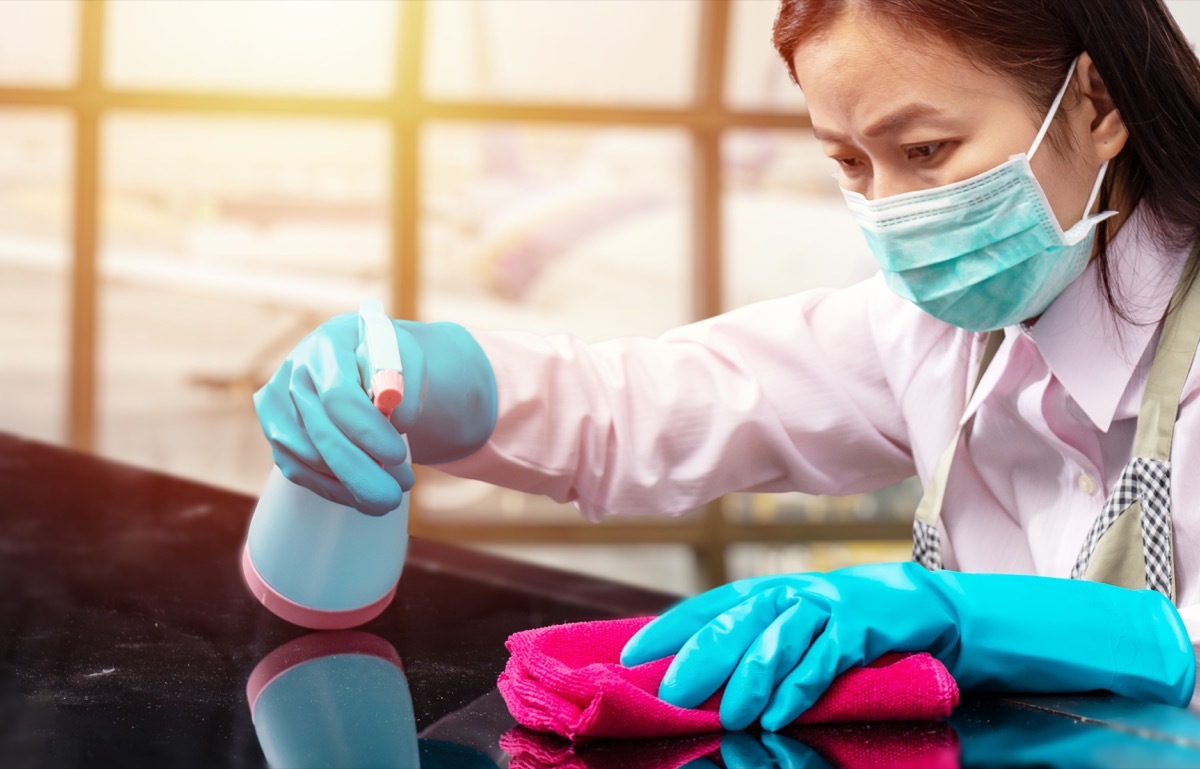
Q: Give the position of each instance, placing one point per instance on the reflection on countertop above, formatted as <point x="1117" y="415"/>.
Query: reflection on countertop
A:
<point x="340" y="699"/>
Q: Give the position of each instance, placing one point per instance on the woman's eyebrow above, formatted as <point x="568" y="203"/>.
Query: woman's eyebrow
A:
<point x="824" y="135"/>
<point x="900" y="118"/>
<point x="887" y="124"/>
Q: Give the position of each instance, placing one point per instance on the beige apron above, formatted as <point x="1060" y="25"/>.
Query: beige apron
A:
<point x="1130" y="544"/>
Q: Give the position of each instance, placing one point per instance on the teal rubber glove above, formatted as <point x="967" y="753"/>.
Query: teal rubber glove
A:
<point x="326" y="435"/>
<point x="779" y="641"/>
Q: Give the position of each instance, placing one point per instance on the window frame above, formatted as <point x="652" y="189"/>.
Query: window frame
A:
<point x="405" y="110"/>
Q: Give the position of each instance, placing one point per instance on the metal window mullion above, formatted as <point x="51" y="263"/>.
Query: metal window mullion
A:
<point x="81" y="384"/>
<point x="387" y="108"/>
<point x="406" y="212"/>
<point x="406" y="181"/>
<point x="706" y="232"/>
<point x="406" y="125"/>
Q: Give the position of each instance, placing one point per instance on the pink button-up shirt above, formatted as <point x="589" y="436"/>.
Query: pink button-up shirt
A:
<point x="842" y="391"/>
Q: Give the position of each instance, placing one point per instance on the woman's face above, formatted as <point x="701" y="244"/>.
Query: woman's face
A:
<point x="900" y="113"/>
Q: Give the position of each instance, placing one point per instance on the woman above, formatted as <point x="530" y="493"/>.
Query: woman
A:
<point x="1004" y="353"/>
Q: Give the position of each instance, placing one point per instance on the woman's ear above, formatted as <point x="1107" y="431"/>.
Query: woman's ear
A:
<point x="1107" y="132"/>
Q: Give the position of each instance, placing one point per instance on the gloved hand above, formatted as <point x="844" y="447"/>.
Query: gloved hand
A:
<point x="326" y="435"/>
<point x="781" y="640"/>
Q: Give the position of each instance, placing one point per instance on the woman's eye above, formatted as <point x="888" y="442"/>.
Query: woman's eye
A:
<point x="849" y="164"/>
<point x="923" y="151"/>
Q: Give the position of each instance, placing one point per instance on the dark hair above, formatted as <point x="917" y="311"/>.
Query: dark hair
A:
<point x="1147" y="65"/>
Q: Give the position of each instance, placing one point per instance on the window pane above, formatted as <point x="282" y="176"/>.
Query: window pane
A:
<point x="552" y="230"/>
<point x="757" y="79"/>
<point x="888" y="505"/>
<point x="35" y="203"/>
<point x="293" y="46"/>
<point x="225" y="241"/>
<point x="667" y="568"/>
<point x="38" y="42"/>
<point x="756" y="560"/>
<point x="577" y="51"/>
<point x="786" y="227"/>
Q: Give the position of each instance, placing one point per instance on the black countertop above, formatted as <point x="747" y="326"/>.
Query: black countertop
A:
<point x="129" y="640"/>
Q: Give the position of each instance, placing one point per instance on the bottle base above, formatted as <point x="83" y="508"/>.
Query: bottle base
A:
<point x="304" y="616"/>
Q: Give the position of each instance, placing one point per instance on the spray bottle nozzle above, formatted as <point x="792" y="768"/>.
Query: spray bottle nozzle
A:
<point x="383" y="356"/>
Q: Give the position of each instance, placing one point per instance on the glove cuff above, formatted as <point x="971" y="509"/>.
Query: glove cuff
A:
<point x="1031" y="633"/>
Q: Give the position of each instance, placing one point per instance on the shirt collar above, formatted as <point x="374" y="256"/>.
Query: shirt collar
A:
<point x="1092" y="350"/>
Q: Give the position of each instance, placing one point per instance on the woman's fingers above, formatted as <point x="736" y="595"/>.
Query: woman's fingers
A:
<point x="403" y="475"/>
<point x="772" y="656"/>
<point x="304" y="475"/>
<point x="668" y="633"/>
<point x="374" y="490"/>
<point x="800" y="688"/>
<point x="705" y="661"/>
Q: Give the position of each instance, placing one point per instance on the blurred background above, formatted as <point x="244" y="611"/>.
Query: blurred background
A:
<point x="188" y="186"/>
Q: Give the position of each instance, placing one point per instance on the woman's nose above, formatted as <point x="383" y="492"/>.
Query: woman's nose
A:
<point x="884" y="185"/>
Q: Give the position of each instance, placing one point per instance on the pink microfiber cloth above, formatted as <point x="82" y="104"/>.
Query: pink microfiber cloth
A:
<point x="568" y="679"/>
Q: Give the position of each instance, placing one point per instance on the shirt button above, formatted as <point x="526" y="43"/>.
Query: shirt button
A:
<point x="1087" y="484"/>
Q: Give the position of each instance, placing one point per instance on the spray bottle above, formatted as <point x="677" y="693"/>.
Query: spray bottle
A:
<point x="317" y="563"/>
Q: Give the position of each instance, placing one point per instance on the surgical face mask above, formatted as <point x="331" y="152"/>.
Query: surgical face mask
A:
<point x="982" y="253"/>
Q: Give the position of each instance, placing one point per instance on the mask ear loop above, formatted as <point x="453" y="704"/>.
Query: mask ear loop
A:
<point x="1041" y="134"/>
<point x="1087" y="210"/>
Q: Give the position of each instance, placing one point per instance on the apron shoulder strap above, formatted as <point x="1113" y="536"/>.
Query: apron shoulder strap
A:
<point x="1169" y="371"/>
<point x="930" y="507"/>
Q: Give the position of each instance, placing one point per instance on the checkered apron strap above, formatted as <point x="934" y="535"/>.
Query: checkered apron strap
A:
<point x="1157" y="533"/>
<point x="1146" y="480"/>
<point x="927" y="545"/>
<point x="1146" y="483"/>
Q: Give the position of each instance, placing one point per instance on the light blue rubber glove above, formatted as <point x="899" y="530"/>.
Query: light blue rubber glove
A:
<point x="780" y="641"/>
<point x="326" y="435"/>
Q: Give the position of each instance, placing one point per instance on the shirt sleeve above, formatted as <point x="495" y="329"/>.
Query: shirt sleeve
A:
<point x="798" y="393"/>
